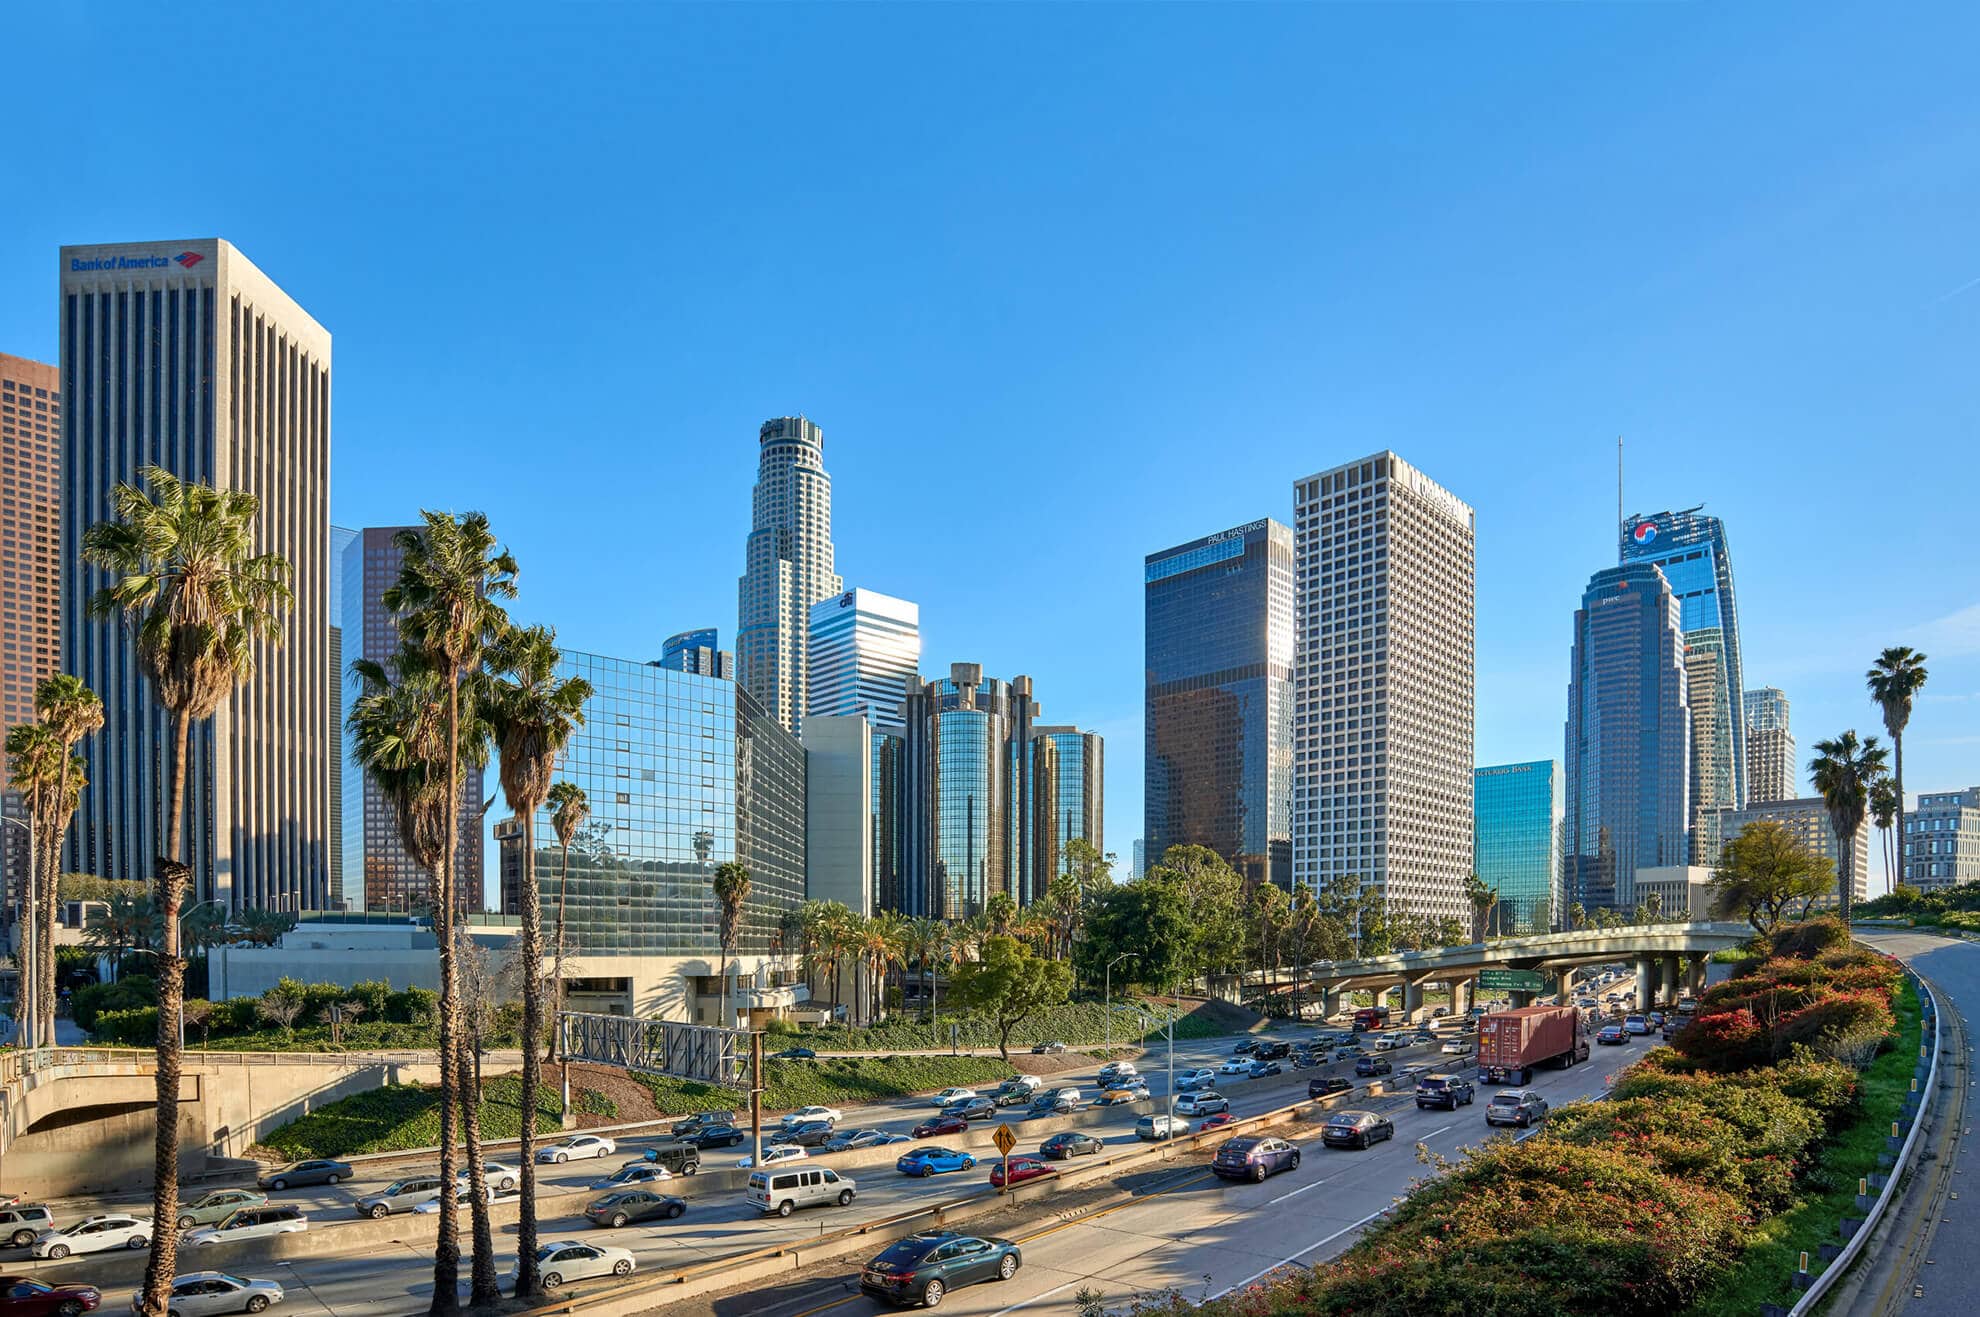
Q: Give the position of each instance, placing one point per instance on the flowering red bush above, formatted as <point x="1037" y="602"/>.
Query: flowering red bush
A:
<point x="1851" y="1027"/>
<point x="1729" y="1040"/>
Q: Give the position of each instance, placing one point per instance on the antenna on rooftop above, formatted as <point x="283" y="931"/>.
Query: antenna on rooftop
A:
<point x="1619" y="490"/>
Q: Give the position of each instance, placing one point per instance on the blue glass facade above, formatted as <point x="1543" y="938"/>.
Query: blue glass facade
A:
<point x="1628" y="757"/>
<point x="966" y="792"/>
<point x="1516" y="817"/>
<point x="1069" y="785"/>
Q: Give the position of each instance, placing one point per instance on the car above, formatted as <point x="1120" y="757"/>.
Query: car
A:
<point x="1687" y="1006"/>
<point x="1391" y="1042"/>
<point x="862" y="1139"/>
<point x="1610" y="1034"/>
<point x="1612" y="996"/>
<point x="209" y="1293"/>
<point x="1019" y="1168"/>
<point x="679" y="1156"/>
<point x="631" y="1175"/>
<point x="701" y="1120"/>
<point x="784" y="1191"/>
<point x="1327" y="1087"/>
<point x="1042" y="1049"/>
<point x="1655" y="1020"/>
<point x="1347" y="1052"/>
<point x="1049" y="1104"/>
<point x="1438" y="1013"/>
<point x="498" y="1175"/>
<point x="936" y="1126"/>
<point x="1201" y="1103"/>
<point x="402" y="1195"/>
<point x="1422" y="1036"/>
<point x="21" y="1222"/>
<point x="464" y="1198"/>
<point x="923" y="1162"/>
<point x="1241" y="1066"/>
<point x="317" y="1170"/>
<point x="1521" y="1107"/>
<point x="574" y="1146"/>
<point x="1217" y="1121"/>
<point x="1443" y="1091"/>
<point x="1157" y="1127"/>
<point x="1458" y="1047"/>
<point x="1305" y="1059"/>
<point x="93" y="1234"/>
<point x="23" y="1296"/>
<point x="809" y="1134"/>
<point x="950" y="1096"/>
<point x="981" y="1108"/>
<point x="629" y="1205"/>
<point x="925" y="1266"/>
<point x="1013" y="1093"/>
<point x="1115" y="1097"/>
<point x="1260" y="1069"/>
<point x="1188" y="1079"/>
<point x="1275" y="1050"/>
<point x="263" y="1222"/>
<point x="794" y="1054"/>
<point x="715" y="1136"/>
<point x="1356" y="1129"/>
<point x="1636" y="1024"/>
<point x="1116" y="1070"/>
<point x="1068" y="1144"/>
<point x="1369" y="1066"/>
<point x="777" y="1152"/>
<point x="1245" y="1048"/>
<point x="217" y="1205"/>
<point x="1253" y="1157"/>
<point x="567" y="1260"/>
<point x="804" y="1115"/>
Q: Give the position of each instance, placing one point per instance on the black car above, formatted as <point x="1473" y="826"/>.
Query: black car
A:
<point x="1372" y="1065"/>
<point x="794" y="1054"/>
<point x="700" y="1120"/>
<point x="1253" y="1157"/>
<point x="295" y="1174"/>
<point x="1356" y="1129"/>
<point x="1260" y="1069"/>
<point x="1050" y="1106"/>
<point x="1305" y="1058"/>
<point x="979" y="1108"/>
<point x="1273" y="1051"/>
<point x="629" y="1205"/>
<point x="1245" y="1048"/>
<point x="1319" y="1088"/>
<point x="1445" y="1091"/>
<point x="715" y="1136"/>
<point x="1070" y="1144"/>
<point x="925" y="1266"/>
<point x="679" y="1156"/>
<point x="810" y="1134"/>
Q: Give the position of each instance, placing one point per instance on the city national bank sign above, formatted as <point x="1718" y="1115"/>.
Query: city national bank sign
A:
<point x="77" y="265"/>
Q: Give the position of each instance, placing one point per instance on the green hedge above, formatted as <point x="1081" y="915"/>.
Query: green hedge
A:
<point x="399" y="1117"/>
<point x="831" y="1082"/>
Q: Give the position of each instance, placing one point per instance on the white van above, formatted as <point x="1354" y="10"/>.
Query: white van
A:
<point x="783" y="1192"/>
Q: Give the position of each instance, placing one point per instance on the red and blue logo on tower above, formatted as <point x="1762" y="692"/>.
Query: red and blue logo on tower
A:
<point x="189" y="259"/>
<point x="1645" y="532"/>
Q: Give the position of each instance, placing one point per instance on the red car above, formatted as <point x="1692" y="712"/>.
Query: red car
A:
<point x="1220" y="1119"/>
<point x="1021" y="1169"/>
<point x="24" y="1296"/>
<point x="939" y="1125"/>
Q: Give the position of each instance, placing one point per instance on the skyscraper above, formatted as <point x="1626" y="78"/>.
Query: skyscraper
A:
<point x="1217" y="716"/>
<point x="787" y="567"/>
<point x="379" y="871"/>
<point x="1069" y="786"/>
<point x="1772" y="771"/>
<point x="30" y="561"/>
<point x="1808" y="820"/>
<point x="1516" y="823"/>
<point x="185" y="356"/>
<point x="1691" y="549"/>
<point x="700" y="652"/>
<point x="865" y="653"/>
<point x="1941" y="840"/>
<point x="1628" y="736"/>
<point x="967" y="784"/>
<point x="1382" y="731"/>
<point x="333" y="741"/>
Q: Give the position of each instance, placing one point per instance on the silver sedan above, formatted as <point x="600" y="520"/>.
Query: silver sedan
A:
<point x="209" y="1293"/>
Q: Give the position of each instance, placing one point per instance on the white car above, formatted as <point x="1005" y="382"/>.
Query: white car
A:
<point x="831" y="1115"/>
<point x="252" y="1223"/>
<point x="464" y="1199"/>
<point x="1389" y="1042"/>
<point x="1456" y="1047"/>
<point x="561" y="1263"/>
<point x="1114" y="1071"/>
<point x="948" y="1095"/>
<point x="632" y="1175"/>
<point x="1241" y="1066"/>
<point x="211" y="1293"/>
<point x="93" y="1234"/>
<point x="573" y="1146"/>
<point x="500" y="1175"/>
<point x="778" y="1152"/>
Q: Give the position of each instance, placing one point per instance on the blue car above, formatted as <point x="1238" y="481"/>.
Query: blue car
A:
<point x="934" y="1161"/>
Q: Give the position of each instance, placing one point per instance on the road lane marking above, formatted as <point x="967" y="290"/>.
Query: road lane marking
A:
<point x="1297" y="1192"/>
<point x="1036" y="1297"/>
<point x="1424" y="1138"/>
<point x="1289" y="1260"/>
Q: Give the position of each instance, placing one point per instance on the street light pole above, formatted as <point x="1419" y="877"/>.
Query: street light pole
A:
<point x="1108" y="1024"/>
<point x="27" y="983"/>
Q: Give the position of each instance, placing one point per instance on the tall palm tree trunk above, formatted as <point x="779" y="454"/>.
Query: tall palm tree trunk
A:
<point x="482" y="1286"/>
<point x="528" y="1283"/>
<point x="447" y="1236"/>
<point x="557" y="1003"/>
<point x="1897" y="772"/>
<point x="163" y="1264"/>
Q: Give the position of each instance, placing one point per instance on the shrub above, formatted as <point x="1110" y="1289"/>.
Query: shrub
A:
<point x="1731" y="1040"/>
<point x="1810" y="938"/>
<point x="413" y="1006"/>
<point x="376" y="994"/>
<point x="128" y="993"/>
<point x="137" y="1027"/>
<point x="1851" y="1027"/>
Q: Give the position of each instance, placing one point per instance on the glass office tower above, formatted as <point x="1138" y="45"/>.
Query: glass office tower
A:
<point x="1067" y="768"/>
<point x="698" y="651"/>
<point x="1692" y="551"/>
<point x="967" y="786"/>
<point x="1628" y="736"/>
<point x="1217" y="719"/>
<point x="1516" y="818"/>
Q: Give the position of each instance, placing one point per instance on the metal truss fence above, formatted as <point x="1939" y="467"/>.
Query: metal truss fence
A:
<point x="699" y="1052"/>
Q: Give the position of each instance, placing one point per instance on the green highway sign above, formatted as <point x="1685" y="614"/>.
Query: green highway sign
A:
<point x="1513" y="980"/>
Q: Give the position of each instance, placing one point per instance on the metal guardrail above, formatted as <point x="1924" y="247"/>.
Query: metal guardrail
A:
<point x="1832" y="1273"/>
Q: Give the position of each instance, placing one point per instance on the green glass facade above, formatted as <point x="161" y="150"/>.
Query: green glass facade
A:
<point x="1516" y="843"/>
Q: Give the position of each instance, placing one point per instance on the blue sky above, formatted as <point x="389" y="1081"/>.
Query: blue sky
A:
<point x="1064" y="285"/>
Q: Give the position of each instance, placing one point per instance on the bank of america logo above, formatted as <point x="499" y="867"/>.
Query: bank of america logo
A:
<point x="1645" y="532"/>
<point x="189" y="259"/>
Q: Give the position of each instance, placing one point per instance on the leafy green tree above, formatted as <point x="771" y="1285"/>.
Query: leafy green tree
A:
<point x="1844" y="772"/>
<point x="1009" y="984"/>
<point x="1268" y="912"/>
<point x="1214" y="891"/>
<point x="1484" y="900"/>
<point x="201" y="601"/>
<point x="1764" y="874"/>
<point x="1895" y="680"/>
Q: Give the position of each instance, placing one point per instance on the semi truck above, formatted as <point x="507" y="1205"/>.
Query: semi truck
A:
<point x="1512" y="1044"/>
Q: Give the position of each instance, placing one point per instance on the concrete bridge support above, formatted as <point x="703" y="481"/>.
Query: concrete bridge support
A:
<point x="1669" y="979"/>
<point x="1646" y="981"/>
<point x="1564" y="987"/>
<point x="1330" y="1003"/>
<point x="1462" y="992"/>
<point x="1412" y="1007"/>
<point x="1695" y="974"/>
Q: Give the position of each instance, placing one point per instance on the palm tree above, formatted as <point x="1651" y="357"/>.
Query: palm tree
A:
<point x="731" y="884"/>
<point x="70" y="711"/>
<point x="533" y="712"/>
<point x="1844" y="773"/>
<point x="185" y="574"/>
<point x="569" y="808"/>
<point x="450" y="578"/>
<point x="1885" y="806"/>
<point x="125" y="923"/>
<point x="884" y="944"/>
<point x="1894" y="679"/>
<point x="39" y="769"/>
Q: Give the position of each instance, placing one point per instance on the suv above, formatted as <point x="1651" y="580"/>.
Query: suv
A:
<point x="1372" y="1065"/>
<point x="1273" y="1051"/>
<point x="400" y="1196"/>
<point x="679" y="1158"/>
<point x="1319" y="1088"/>
<point x="1521" y="1107"/>
<point x="19" y="1225"/>
<point x="1446" y="1091"/>
<point x="784" y="1191"/>
<point x="1156" y="1128"/>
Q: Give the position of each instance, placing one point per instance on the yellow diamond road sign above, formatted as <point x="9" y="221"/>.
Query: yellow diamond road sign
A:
<point x="1004" y="1139"/>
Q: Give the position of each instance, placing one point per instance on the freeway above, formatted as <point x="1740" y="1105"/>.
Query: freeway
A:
<point x="1195" y="1234"/>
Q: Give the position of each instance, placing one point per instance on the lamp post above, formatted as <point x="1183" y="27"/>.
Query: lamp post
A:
<point x="26" y="979"/>
<point x="1108" y="1024"/>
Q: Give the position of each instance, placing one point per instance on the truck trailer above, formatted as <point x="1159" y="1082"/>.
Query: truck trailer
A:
<point x="1512" y="1044"/>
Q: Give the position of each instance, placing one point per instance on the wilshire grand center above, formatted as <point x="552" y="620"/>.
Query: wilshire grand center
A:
<point x="185" y="356"/>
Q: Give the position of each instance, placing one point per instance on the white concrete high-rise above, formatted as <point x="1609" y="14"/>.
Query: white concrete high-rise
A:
<point x="787" y="567"/>
<point x="1383" y="685"/>
<point x="185" y="356"/>
<point x="865" y="654"/>
<point x="1772" y="772"/>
